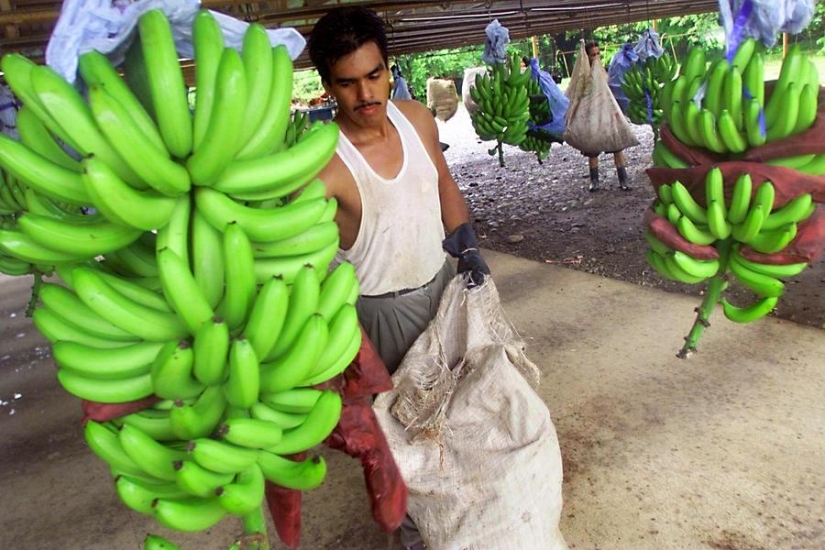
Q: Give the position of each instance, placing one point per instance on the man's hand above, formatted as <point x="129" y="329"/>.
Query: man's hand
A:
<point x="462" y="244"/>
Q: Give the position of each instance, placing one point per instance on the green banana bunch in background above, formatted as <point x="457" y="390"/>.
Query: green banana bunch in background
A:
<point x="503" y="105"/>
<point x="193" y="252"/>
<point x="644" y="84"/>
<point x="722" y="107"/>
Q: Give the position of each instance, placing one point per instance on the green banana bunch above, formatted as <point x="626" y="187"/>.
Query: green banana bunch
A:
<point x="749" y="217"/>
<point x="503" y="105"/>
<point x="644" y="84"/>
<point x="194" y="253"/>
<point x="729" y="117"/>
<point x="538" y="141"/>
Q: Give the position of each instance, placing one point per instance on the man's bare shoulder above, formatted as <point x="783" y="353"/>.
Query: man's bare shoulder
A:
<point x="415" y="111"/>
<point x="335" y="176"/>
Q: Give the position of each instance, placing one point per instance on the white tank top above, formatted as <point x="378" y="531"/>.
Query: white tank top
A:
<point x="398" y="245"/>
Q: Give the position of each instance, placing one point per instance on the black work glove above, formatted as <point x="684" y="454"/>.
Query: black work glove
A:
<point x="462" y="244"/>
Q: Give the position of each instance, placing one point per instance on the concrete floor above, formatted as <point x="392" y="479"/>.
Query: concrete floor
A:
<point x="723" y="451"/>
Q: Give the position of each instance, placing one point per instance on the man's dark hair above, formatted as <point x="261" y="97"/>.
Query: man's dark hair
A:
<point x="342" y="31"/>
<point x="589" y="46"/>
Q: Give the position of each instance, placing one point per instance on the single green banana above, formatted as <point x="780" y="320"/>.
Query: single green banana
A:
<point x="208" y="44"/>
<point x="770" y="242"/>
<point x="102" y="439"/>
<point x="164" y="79"/>
<point x="268" y="136"/>
<point x="252" y="433"/>
<point x="304" y="296"/>
<point x="732" y="139"/>
<point x="266" y="319"/>
<point x="207" y="257"/>
<point x="36" y="136"/>
<point x="120" y="203"/>
<point x="694" y="233"/>
<point x="156" y="542"/>
<point x="740" y="199"/>
<point x="199" y="419"/>
<point x="182" y="291"/>
<point x="221" y="457"/>
<point x="283" y="420"/>
<point x="751" y="313"/>
<point x="68" y="305"/>
<point x="96" y="70"/>
<point x="194" y="514"/>
<point x="155" y="458"/>
<point x="243" y="382"/>
<point x="223" y="136"/>
<point x="171" y="372"/>
<point x="143" y="321"/>
<point x="259" y="70"/>
<point x="300" y="476"/>
<point x="106" y="364"/>
<point x="258" y="223"/>
<point x="210" y="345"/>
<point x="718" y="225"/>
<point x="138" y="495"/>
<point x="772" y="270"/>
<point x="245" y="494"/>
<point x="796" y="210"/>
<point x="90" y="238"/>
<point x="686" y="204"/>
<point x="154" y="166"/>
<point x="153" y="422"/>
<point x="320" y="422"/>
<point x="296" y="400"/>
<point x="239" y="292"/>
<point x="105" y="391"/>
<point x="195" y="480"/>
<point x="55" y="328"/>
<point x="79" y="129"/>
<point x="44" y="175"/>
<point x="290" y="369"/>
<point x="763" y="285"/>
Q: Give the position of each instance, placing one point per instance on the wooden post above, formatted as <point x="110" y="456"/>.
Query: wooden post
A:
<point x="535" y="42"/>
<point x="655" y="25"/>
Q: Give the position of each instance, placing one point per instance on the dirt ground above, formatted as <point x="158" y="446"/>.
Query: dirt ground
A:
<point x="545" y="212"/>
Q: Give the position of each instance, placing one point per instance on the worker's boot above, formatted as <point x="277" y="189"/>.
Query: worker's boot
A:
<point x="594" y="179"/>
<point x="624" y="183"/>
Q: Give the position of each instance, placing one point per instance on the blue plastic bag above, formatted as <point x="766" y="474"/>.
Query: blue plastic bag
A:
<point x="648" y="46"/>
<point x="763" y="19"/>
<point x="400" y="90"/>
<point x="495" y="48"/>
<point x="620" y="64"/>
<point x="555" y="96"/>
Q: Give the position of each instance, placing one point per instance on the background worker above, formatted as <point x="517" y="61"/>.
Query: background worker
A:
<point x="594" y="56"/>
<point x="396" y="196"/>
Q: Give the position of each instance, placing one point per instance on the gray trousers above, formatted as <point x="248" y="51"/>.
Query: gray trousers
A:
<point x="393" y="322"/>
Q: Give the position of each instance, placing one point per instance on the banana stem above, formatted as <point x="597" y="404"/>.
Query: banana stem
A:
<point x="254" y="531"/>
<point x="713" y="294"/>
<point x="37" y="282"/>
<point x="500" y="154"/>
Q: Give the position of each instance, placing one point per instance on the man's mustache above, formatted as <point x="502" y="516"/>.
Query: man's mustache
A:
<point x="370" y="104"/>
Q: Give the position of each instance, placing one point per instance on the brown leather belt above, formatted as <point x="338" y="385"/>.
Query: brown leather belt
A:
<point x="403" y="291"/>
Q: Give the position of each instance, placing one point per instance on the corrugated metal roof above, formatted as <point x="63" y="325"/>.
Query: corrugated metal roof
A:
<point x="413" y="26"/>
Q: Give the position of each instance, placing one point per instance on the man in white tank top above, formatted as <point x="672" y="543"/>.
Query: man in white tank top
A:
<point x="396" y="196"/>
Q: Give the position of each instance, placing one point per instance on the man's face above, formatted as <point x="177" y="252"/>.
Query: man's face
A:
<point x="593" y="53"/>
<point x="361" y="86"/>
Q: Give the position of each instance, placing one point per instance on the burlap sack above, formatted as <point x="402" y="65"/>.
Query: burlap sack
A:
<point x="475" y="443"/>
<point x="468" y="84"/>
<point x="594" y="122"/>
<point x="442" y="98"/>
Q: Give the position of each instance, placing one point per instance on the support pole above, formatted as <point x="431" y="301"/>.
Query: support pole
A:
<point x="535" y="42"/>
